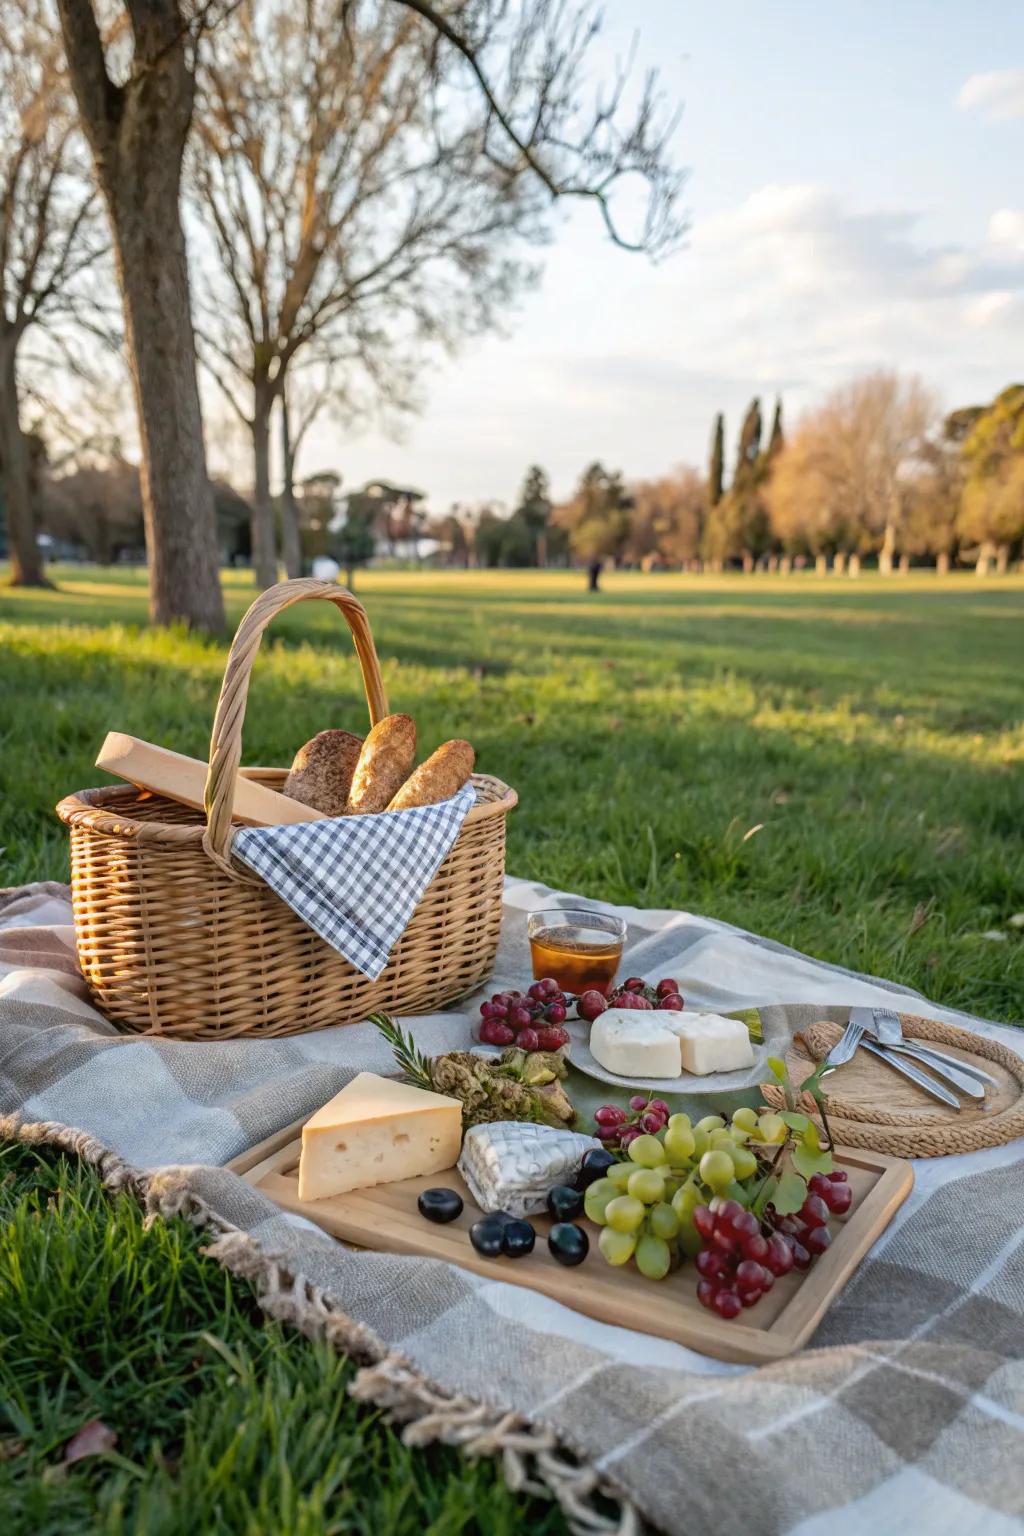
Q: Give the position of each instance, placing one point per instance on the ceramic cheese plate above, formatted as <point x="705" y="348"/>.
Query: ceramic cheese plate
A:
<point x="687" y="1082"/>
<point x="385" y="1218"/>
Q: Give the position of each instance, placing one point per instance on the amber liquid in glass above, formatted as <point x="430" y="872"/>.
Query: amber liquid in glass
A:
<point x="573" y="962"/>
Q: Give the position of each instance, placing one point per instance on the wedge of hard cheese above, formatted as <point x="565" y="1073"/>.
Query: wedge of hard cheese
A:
<point x="377" y="1130"/>
<point x="184" y="779"/>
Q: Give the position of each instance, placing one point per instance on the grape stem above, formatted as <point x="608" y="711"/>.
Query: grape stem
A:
<point x="770" y="1170"/>
<point x="825" y="1125"/>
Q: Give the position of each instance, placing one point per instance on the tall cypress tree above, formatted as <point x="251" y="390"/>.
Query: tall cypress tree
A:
<point x="716" y="466"/>
<point x="749" y="448"/>
<point x="777" y="439"/>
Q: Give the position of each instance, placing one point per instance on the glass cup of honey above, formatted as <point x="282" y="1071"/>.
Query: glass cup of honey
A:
<point x="579" y="949"/>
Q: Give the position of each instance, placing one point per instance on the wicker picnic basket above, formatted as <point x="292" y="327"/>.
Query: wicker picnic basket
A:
<point x="175" y="940"/>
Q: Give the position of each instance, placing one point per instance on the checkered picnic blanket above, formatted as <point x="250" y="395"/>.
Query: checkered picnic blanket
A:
<point x="356" y="880"/>
<point x="906" y="1415"/>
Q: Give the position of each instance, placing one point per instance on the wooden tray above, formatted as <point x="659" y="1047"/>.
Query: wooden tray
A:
<point x="870" y="1105"/>
<point x="385" y="1218"/>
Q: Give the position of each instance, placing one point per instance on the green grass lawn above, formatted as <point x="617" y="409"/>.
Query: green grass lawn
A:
<point x="836" y="764"/>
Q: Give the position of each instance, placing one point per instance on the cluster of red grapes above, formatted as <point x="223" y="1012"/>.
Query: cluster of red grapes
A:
<point x="533" y="1021"/>
<point x="633" y="993"/>
<point x="738" y="1263"/>
<point x="617" y="1127"/>
<point x="828" y="1194"/>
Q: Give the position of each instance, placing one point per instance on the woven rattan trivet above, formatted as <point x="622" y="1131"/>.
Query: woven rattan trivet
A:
<point x="871" y="1105"/>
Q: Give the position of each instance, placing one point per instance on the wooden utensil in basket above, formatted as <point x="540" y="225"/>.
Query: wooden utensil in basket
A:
<point x="174" y="940"/>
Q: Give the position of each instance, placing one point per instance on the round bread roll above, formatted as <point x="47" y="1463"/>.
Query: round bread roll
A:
<point x="321" y="774"/>
<point x="387" y="755"/>
<point x="440" y="777"/>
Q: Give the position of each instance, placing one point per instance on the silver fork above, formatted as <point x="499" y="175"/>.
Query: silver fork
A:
<point x="846" y="1045"/>
<point x="969" y="1079"/>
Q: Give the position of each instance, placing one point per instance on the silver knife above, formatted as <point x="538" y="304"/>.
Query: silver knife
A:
<point x="915" y="1074"/>
<point x="887" y="1028"/>
<point x="945" y="1068"/>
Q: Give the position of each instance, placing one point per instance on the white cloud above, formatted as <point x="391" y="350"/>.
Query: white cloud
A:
<point x="988" y="308"/>
<point x="999" y="94"/>
<point x="826" y="290"/>
<point x="790" y="290"/>
<point x="1006" y="230"/>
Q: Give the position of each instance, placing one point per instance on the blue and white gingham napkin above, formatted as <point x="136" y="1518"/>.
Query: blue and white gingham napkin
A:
<point x="356" y="880"/>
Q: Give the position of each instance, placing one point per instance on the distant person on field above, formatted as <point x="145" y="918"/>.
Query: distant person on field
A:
<point x="594" y="573"/>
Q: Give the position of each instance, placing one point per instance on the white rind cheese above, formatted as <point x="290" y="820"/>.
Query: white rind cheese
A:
<point x="377" y="1130"/>
<point x="710" y="1043"/>
<point x="634" y="1043"/>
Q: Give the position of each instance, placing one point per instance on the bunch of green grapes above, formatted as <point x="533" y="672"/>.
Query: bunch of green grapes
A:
<point x="645" y="1204"/>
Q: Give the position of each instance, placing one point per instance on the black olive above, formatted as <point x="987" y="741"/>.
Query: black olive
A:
<point x="440" y="1204"/>
<point x="518" y="1239"/>
<point x="486" y="1236"/>
<point x="595" y="1164"/>
<point x="565" y="1204"/>
<point x="568" y="1243"/>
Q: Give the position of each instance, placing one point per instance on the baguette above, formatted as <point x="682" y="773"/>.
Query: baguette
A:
<point x="321" y="774"/>
<point x="440" y="777"/>
<point x="387" y="755"/>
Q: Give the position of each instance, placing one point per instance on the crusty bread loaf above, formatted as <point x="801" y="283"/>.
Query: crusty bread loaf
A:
<point x="443" y="773"/>
<point x="387" y="756"/>
<point x="321" y="775"/>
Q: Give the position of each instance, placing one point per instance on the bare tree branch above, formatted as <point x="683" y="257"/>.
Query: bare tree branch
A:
<point x="51" y="249"/>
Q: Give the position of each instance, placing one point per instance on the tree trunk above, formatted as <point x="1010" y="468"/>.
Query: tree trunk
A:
<point x="904" y="565"/>
<point x="1002" y="559"/>
<point x="853" y="568"/>
<point x="839" y="563"/>
<point x="264" y="544"/>
<point x="291" y="545"/>
<point x="177" y="502"/>
<point x="785" y="565"/>
<point x="888" y="550"/>
<point x="26" y="560"/>
<point x="986" y="555"/>
<point x="942" y="563"/>
<point x="821" y="565"/>
<point x="137" y="132"/>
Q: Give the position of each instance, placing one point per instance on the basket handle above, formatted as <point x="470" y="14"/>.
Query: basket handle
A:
<point x="226" y="739"/>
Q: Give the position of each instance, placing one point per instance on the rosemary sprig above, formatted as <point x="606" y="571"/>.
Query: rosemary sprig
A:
<point x="415" y="1066"/>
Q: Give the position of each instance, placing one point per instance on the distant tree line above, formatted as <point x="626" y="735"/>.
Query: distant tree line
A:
<point x="874" y="472"/>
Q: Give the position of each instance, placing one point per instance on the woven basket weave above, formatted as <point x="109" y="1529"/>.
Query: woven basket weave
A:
<point x="174" y="939"/>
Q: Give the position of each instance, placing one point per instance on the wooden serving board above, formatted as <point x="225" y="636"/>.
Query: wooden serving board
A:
<point x="385" y="1218"/>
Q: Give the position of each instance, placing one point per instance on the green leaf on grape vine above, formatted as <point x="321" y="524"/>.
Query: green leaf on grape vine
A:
<point x="790" y="1194"/>
<point x="796" y="1121"/>
<point x="809" y="1163"/>
<point x="779" y="1069"/>
<point x="810" y="1137"/>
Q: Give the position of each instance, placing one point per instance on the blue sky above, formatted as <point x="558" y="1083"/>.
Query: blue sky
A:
<point x="857" y="200"/>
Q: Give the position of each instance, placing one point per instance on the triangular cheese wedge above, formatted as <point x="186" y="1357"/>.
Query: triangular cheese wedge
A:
<point x="377" y="1130"/>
